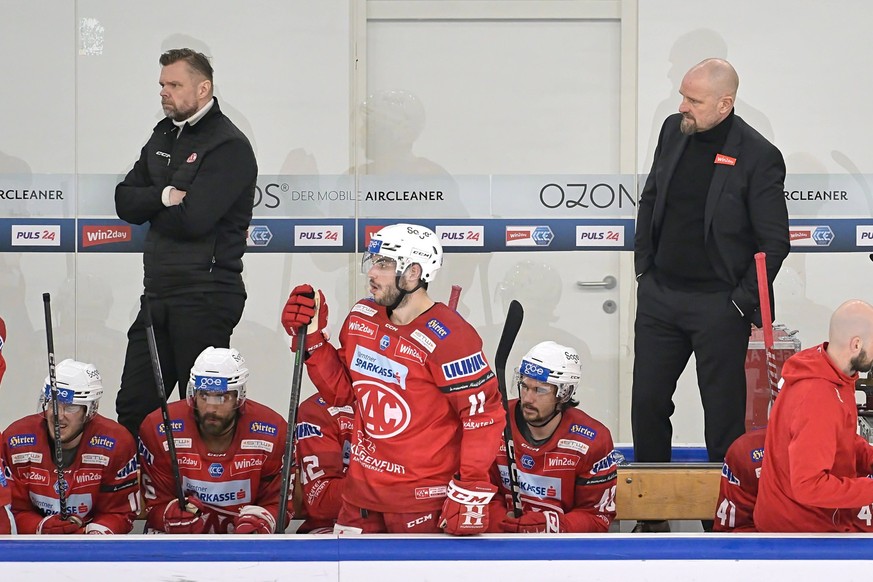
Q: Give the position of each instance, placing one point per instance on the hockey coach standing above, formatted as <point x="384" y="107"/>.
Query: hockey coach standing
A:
<point x="194" y="183"/>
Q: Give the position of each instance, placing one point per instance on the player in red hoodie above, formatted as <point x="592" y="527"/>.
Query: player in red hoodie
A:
<point x="809" y="478"/>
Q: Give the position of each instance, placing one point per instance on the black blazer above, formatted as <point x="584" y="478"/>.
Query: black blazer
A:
<point x="745" y="209"/>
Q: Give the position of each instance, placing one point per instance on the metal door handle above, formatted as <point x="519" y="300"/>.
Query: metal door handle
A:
<point x="609" y="282"/>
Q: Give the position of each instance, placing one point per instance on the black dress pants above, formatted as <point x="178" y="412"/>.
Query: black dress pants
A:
<point x="184" y="326"/>
<point x="670" y="326"/>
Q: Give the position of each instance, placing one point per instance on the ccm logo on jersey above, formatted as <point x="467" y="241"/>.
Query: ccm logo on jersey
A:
<point x="408" y="351"/>
<point x="21" y="440"/>
<point x="464" y="367"/>
<point x="263" y="428"/>
<point x="560" y="461"/>
<point x="583" y="431"/>
<point x="361" y="327"/>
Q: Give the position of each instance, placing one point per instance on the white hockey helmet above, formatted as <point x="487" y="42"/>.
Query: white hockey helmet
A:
<point x="407" y="244"/>
<point x="555" y="364"/>
<point x="218" y="370"/>
<point x="78" y="383"/>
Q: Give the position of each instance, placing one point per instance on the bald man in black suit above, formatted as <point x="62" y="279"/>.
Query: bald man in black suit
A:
<point x="714" y="198"/>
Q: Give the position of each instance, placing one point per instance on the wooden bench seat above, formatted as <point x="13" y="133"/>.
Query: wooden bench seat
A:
<point x="658" y="491"/>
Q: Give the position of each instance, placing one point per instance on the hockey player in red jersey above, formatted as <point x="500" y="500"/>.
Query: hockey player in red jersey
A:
<point x="738" y="488"/>
<point x="813" y="455"/>
<point x="566" y="460"/>
<point x="428" y="417"/>
<point x="324" y="438"/>
<point x="99" y="461"/>
<point x="229" y="449"/>
<point x="7" y="522"/>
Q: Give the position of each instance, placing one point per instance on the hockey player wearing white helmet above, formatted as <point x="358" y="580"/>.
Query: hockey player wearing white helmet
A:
<point x="427" y="411"/>
<point x="99" y="461"/>
<point x="229" y="449"/>
<point x="566" y="461"/>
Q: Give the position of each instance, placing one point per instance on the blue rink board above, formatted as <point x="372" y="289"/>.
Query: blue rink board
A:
<point x="436" y="548"/>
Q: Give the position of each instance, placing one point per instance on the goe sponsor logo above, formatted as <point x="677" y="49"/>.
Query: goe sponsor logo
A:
<point x="534" y="371"/>
<point x="210" y="383"/>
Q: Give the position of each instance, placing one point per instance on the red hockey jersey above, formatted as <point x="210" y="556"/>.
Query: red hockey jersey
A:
<point x="426" y="405"/>
<point x="809" y="478"/>
<point x="324" y="435"/>
<point x="738" y="488"/>
<point x="573" y="473"/>
<point x="248" y="473"/>
<point x="102" y="481"/>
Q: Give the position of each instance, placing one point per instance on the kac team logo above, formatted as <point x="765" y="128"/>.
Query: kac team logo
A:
<point x="384" y="411"/>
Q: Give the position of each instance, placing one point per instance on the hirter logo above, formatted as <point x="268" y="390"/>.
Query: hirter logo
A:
<point x="104" y="235"/>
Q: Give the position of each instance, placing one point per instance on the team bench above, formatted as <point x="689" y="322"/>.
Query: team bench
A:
<point x="659" y="491"/>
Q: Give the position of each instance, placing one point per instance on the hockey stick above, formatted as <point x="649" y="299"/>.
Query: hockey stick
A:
<point x="766" y="321"/>
<point x="162" y="396"/>
<point x="56" y="429"/>
<point x="296" y="380"/>
<point x="514" y="317"/>
<point x="455" y="297"/>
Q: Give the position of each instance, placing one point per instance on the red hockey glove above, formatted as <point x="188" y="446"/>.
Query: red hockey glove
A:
<point x="306" y="308"/>
<point x="533" y="522"/>
<point x="184" y="520"/>
<point x="53" y="524"/>
<point x="465" y="510"/>
<point x="253" y="519"/>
